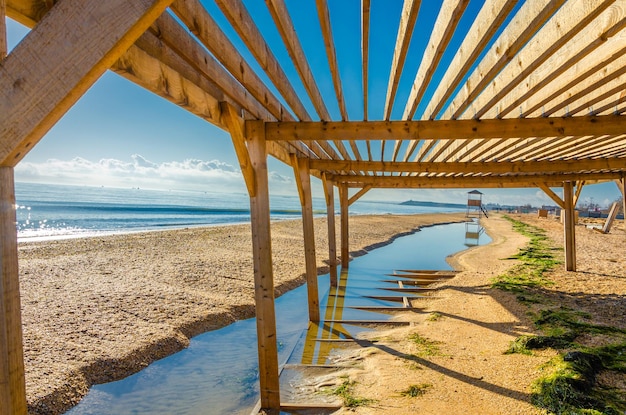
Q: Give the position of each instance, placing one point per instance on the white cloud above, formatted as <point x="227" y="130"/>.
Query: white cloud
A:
<point x="190" y="174"/>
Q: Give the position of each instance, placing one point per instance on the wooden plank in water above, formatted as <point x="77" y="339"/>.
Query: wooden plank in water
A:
<point x="428" y="271"/>
<point x="423" y="276"/>
<point x="409" y="289"/>
<point x="305" y="366"/>
<point x="413" y="282"/>
<point x="383" y="309"/>
<point x="394" y="298"/>
<point x="370" y="322"/>
<point x="405" y="301"/>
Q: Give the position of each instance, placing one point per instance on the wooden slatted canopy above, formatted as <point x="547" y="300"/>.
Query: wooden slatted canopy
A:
<point x="533" y="95"/>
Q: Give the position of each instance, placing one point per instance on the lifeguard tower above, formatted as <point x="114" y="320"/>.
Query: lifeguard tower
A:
<point x="475" y="205"/>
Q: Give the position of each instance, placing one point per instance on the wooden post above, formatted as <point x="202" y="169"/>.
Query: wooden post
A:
<point x="332" y="238"/>
<point x="569" y="225"/>
<point x="303" y="180"/>
<point x="263" y="273"/>
<point x="621" y="185"/>
<point x="12" y="384"/>
<point x="343" y="202"/>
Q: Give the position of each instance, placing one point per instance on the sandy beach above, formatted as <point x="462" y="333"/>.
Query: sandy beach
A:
<point x="471" y="325"/>
<point x="97" y="309"/>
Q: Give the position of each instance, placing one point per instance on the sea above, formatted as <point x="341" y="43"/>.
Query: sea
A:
<point x="46" y="212"/>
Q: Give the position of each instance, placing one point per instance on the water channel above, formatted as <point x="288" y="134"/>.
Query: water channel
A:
<point x="217" y="373"/>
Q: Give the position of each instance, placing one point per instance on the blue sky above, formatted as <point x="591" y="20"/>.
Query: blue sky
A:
<point x="121" y="135"/>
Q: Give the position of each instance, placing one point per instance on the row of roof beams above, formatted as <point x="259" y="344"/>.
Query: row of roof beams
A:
<point x="562" y="53"/>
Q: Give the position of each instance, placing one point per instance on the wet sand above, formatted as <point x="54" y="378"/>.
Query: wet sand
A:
<point x="98" y="309"/>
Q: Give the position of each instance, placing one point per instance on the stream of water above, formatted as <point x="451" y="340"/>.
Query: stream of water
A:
<point x="217" y="373"/>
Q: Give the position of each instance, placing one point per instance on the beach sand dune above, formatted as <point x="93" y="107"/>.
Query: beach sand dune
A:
<point x="98" y="309"/>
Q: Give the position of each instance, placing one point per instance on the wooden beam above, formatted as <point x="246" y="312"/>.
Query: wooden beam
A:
<point x="579" y="187"/>
<point x="81" y="54"/>
<point x="623" y="183"/>
<point x="548" y="166"/>
<point x="12" y="383"/>
<point x="486" y="181"/>
<point x="358" y="195"/>
<point x="569" y="227"/>
<point x="330" y="219"/>
<point x="410" y="11"/>
<point x="327" y="33"/>
<point x="448" y="129"/>
<point x="263" y="272"/>
<point x="551" y="194"/>
<point x="303" y="182"/>
<point x="345" y="234"/>
<point x="236" y="129"/>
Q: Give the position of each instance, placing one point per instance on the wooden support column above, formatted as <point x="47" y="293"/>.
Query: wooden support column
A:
<point x="263" y="272"/>
<point x="344" y="205"/>
<point x="303" y="180"/>
<point x="621" y="185"/>
<point x="332" y="238"/>
<point x="569" y="225"/>
<point x="12" y="385"/>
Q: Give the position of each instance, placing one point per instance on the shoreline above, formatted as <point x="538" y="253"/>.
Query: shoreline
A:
<point x="99" y="309"/>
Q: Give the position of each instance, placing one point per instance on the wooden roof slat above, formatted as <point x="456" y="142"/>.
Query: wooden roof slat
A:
<point x="283" y="23"/>
<point x="575" y="20"/>
<point x="586" y="149"/>
<point x="410" y="11"/>
<point x="329" y="43"/>
<point x="529" y="18"/>
<point x="556" y="77"/>
<point x="26" y="12"/>
<point x="201" y="24"/>
<point x="487" y="22"/>
<point x="445" y="25"/>
<point x="611" y="107"/>
<point x="612" y="92"/>
<point x="365" y="40"/>
<point x="238" y="16"/>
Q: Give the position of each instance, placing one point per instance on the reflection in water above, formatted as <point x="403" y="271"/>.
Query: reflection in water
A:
<point x="473" y="230"/>
<point x="217" y="374"/>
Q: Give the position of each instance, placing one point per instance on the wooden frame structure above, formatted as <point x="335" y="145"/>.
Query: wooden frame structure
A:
<point x="533" y="97"/>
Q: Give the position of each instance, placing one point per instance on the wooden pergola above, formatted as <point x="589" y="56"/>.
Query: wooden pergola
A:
<point x="534" y="96"/>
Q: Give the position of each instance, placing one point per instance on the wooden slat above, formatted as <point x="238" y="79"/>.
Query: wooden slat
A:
<point x="579" y="187"/>
<point x="410" y="11"/>
<point x="365" y="39"/>
<point x="329" y="43"/>
<point x="27" y="12"/>
<point x="206" y="29"/>
<point x="573" y="22"/>
<point x="472" y="167"/>
<point x="263" y="272"/>
<point x="445" y="25"/>
<point x="81" y="54"/>
<point x="487" y="22"/>
<point x="283" y="23"/>
<point x="447" y="129"/>
<point x="527" y="21"/>
<point x="12" y="383"/>
<point x="241" y="20"/>
<point x="492" y="181"/>
<point x="303" y="182"/>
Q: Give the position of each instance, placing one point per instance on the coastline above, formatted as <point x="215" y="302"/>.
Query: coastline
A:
<point x="98" y="309"/>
